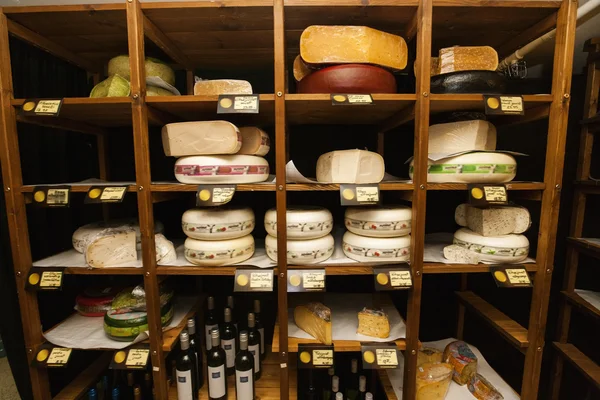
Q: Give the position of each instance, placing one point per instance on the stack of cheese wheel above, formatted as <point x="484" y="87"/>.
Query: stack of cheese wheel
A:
<point x="348" y="59"/>
<point x="308" y="233"/>
<point x="215" y="152"/>
<point x="378" y="233"/>
<point x="218" y="236"/>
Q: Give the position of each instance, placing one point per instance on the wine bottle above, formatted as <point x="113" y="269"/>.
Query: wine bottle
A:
<point x="129" y="389"/>
<point x="187" y="385"/>
<point x="116" y="394"/>
<point x="244" y="371"/>
<point x="147" y="390"/>
<point x="362" y="387"/>
<point x="352" y="383"/>
<point x="210" y="321"/>
<point x="234" y="313"/>
<point x="137" y="392"/>
<point x="228" y="341"/>
<point x="327" y="393"/>
<point x="216" y="359"/>
<point x="195" y="347"/>
<point x="369" y="396"/>
<point x="254" y="345"/>
<point x="339" y="396"/>
<point x="259" y="327"/>
<point x="92" y="394"/>
<point x="335" y="386"/>
<point x="311" y="390"/>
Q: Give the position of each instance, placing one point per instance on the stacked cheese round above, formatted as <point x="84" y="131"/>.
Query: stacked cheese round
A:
<point x="510" y="248"/>
<point x="218" y="236"/>
<point x="308" y="233"/>
<point x="377" y="233"/>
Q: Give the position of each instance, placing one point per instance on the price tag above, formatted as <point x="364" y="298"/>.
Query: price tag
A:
<point x="504" y="105"/>
<point x="261" y="280"/>
<point x="340" y="99"/>
<point x="36" y="107"/>
<point x="131" y="358"/>
<point x="387" y="357"/>
<point x="392" y="277"/>
<point x="315" y="356"/>
<point x="510" y="276"/>
<point x="137" y="357"/>
<point x="52" y="196"/>
<point x="238" y="104"/>
<point x="59" y="356"/>
<point x="322" y="358"/>
<point x="105" y="194"/>
<point x="214" y="195"/>
<point x="312" y="280"/>
<point x="360" y="194"/>
<point x="400" y="278"/>
<point x="484" y="195"/>
<point x="48" y="356"/>
<point x="51" y="280"/>
<point x="253" y="280"/>
<point x="45" y="278"/>
<point x="379" y="355"/>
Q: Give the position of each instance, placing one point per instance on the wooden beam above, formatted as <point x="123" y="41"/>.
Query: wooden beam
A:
<point x="582" y="304"/>
<point x="403" y="116"/>
<point x="161" y="40"/>
<point x="534" y="32"/>
<point x="532" y="114"/>
<point x="584" y="364"/>
<point x="63" y="123"/>
<point x="79" y="387"/>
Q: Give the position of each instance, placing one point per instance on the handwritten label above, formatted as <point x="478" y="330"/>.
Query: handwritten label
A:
<point x="322" y="357"/>
<point x="504" y="105"/>
<point x="387" y="357"/>
<point x="48" y="106"/>
<point x="57" y="196"/>
<point x="313" y="280"/>
<point x="113" y="193"/>
<point x="51" y="279"/>
<point x="481" y="194"/>
<point x="262" y="280"/>
<point x="223" y="194"/>
<point x="511" y="104"/>
<point x="351" y="99"/>
<point x="359" y="98"/>
<point x="245" y="103"/>
<point x="367" y="193"/>
<point x="495" y="193"/>
<point x="518" y="276"/>
<point x="214" y="195"/>
<point x="137" y="357"/>
<point x="59" y="356"/>
<point x="238" y="104"/>
<point x="400" y="279"/>
<point x="359" y="195"/>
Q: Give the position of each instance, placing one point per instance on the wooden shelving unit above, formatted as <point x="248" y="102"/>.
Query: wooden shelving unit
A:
<point x="231" y="35"/>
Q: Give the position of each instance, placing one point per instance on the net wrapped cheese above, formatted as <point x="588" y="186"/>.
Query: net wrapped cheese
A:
<point x="222" y="86"/>
<point x="301" y="70"/>
<point x="433" y="381"/>
<point x="494" y="220"/>
<point x="504" y="249"/>
<point x="350" y="166"/>
<point x="315" y="319"/>
<point x="456" y="137"/>
<point x="461" y="255"/>
<point x="321" y="44"/>
<point x="482" y="389"/>
<point x="429" y="355"/>
<point x="201" y="138"/>
<point x="461" y="357"/>
<point x="467" y="58"/>
<point x="255" y="141"/>
<point x="349" y="78"/>
<point x="372" y="322"/>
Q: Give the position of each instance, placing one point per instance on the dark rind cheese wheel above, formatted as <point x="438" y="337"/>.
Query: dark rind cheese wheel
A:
<point x="349" y="78"/>
<point x="485" y="82"/>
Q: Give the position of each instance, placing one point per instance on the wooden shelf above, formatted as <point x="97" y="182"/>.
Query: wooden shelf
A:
<point x="509" y="186"/>
<point x="584" y="364"/>
<point x="441" y="268"/>
<point x="387" y="384"/>
<point x="243" y="187"/>
<point x="171" y="337"/>
<point x="589" y="186"/>
<point x="79" y="386"/>
<point x="593" y="123"/>
<point x="585" y="246"/>
<point x="77" y="187"/>
<point x="320" y="187"/>
<point x="200" y="270"/>
<point x="581" y="304"/>
<point x="511" y="330"/>
<point x="105" y="271"/>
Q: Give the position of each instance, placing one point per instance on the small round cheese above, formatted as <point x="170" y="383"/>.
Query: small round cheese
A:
<point x="387" y="221"/>
<point x="221" y="169"/>
<point x="506" y="248"/>
<point x="302" y="252"/>
<point x="303" y="222"/>
<point x="218" y="223"/>
<point x="219" y="252"/>
<point x="481" y="167"/>
<point x="83" y="234"/>
<point x="368" y="249"/>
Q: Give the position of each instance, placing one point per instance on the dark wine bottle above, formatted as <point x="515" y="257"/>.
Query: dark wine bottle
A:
<point x="335" y="386"/>
<point x="147" y="389"/>
<point x="128" y="395"/>
<point x="259" y="327"/>
<point x="327" y="392"/>
<point x="254" y="345"/>
<point x="195" y="347"/>
<point x="92" y="394"/>
<point x="228" y="339"/>
<point x="339" y="396"/>
<point x="137" y="392"/>
<point x="369" y="396"/>
<point x="352" y="381"/>
<point x="234" y="312"/>
<point x="116" y="394"/>
<point x="216" y="359"/>
<point x="187" y="385"/>
<point x="311" y="390"/>
<point x="244" y="371"/>
<point x="362" y="387"/>
<point x="210" y="321"/>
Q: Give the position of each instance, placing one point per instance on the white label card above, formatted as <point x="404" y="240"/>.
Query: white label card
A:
<point x="245" y="103"/>
<point x="263" y="280"/>
<point x="386" y="357"/>
<point x="57" y="196"/>
<point x="313" y="280"/>
<point x="518" y="276"/>
<point x="367" y="193"/>
<point x="400" y="279"/>
<point x="359" y="98"/>
<point x="511" y="104"/>
<point x="495" y="193"/>
<point x="51" y="279"/>
<point x="222" y="195"/>
<point x="59" y="356"/>
<point x="48" y="106"/>
<point x="113" y="193"/>
<point x="137" y="357"/>
<point x="322" y="357"/>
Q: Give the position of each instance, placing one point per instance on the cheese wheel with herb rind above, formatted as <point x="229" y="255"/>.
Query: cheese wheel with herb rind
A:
<point x="383" y="221"/>
<point x="303" y="222"/>
<point x="493" y="220"/>
<point x="302" y="252"/>
<point x="369" y="249"/>
<point x="214" y="253"/>
<point x="504" y="249"/>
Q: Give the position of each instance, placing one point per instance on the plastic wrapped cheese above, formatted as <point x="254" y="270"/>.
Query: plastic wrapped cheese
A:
<point x="221" y="169"/>
<point x="127" y="326"/>
<point x="165" y="251"/>
<point x="315" y="319"/>
<point x="303" y="222"/>
<point x="154" y="67"/>
<point x="82" y="234"/>
<point x="456" y="137"/>
<point x="219" y="252"/>
<point x="429" y="355"/>
<point x="373" y="322"/>
<point x="302" y="252"/>
<point x="301" y="70"/>
<point x="321" y="44"/>
<point x="218" y="223"/>
<point x="255" y="141"/>
<point x="201" y="138"/>
<point x="113" y="86"/>
<point x="461" y="357"/>
<point x="433" y="381"/>
<point x="349" y="78"/>
<point x="221" y="86"/>
<point x="482" y="389"/>
<point x="384" y="221"/>
<point x="111" y="247"/>
<point x="350" y="166"/>
<point x="494" y="220"/>
<point x="501" y="249"/>
<point x="369" y="249"/>
<point x="467" y="58"/>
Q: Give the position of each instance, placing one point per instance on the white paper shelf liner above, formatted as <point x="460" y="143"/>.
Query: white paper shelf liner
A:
<point x="591" y="297"/>
<point x="456" y="392"/>
<point x="295" y="176"/>
<point x="74" y="259"/>
<point x="87" y="333"/>
<point x="344" y="318"/>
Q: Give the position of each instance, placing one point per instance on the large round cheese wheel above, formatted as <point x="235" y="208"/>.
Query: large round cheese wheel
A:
<point x="368" y="249"/>
<point x="302" y="252"/>
<point x="386" y="221"/>
<point x="218" y="223"/>
<point x="127" y="326"/>
<point x="303" y="222"/>
<point x="82" y="235"/>
<point x="482" y="167"/>
<point x="506" y="249"/>
<point x="221" y="169"/>
<point x="219" y="252"/>
<point x="349" y="78"/>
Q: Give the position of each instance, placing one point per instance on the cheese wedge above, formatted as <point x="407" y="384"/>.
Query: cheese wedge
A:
<point x="350" y="166"/>
<point x="482" y="389"/>
<point x="301" y="70"/>
<point x="201" y="138"/>
<point x="165" y="251"/>
<point x="255" y="141"/>
<point x="433" y="381"/>
<point x="111" y="248"/>
<point x="222" y="86"/>
<point x="468" y="58"/>
<point x="461" y="255"/>
<point x="373" y="323"/>
<point x="493" y="221"/>
<point x="456" y="137"/>
<point x="315" y="319"/>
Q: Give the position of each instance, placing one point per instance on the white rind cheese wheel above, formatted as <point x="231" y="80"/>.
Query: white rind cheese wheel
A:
<point x="483" y="167"/>
<point x="201" y="138"/>
<point x="456" y="137"/>
<point x="219" y="252"/>
<point x="221" y="169"/>
<point x="218" y="223"/>
<point x="85" y="232"/>
<point x="302" y="252"/>
<point x="504" y="249"/>
<point x="255" y="141"/>
<point x="369" y="249"/>
<point x="386" y="221"/>
<point x="350" y="166"/>
<point x="110" y="248"/>
<point x="303" y="222"/>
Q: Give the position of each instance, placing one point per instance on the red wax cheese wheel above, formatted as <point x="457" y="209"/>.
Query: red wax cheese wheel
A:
<point x="349" y="78"/>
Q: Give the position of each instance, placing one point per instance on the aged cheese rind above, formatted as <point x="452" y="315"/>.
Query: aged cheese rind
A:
<point x="218" y="223"/>
<point x="350" y="166"/>
<point x="461" y="255"/>
<point x="201" y="138"/>
<point x="301" y="70"/>
<point x="482" y="389"/>
<point x="384" y="221"/>
<point x="222" y="86"/>
<point x="165" y="251"/>
<point x="321" y="44"/>
<point x="429" y="355"/>
<point x="349" y="78"/>
<point x="235" y="168"/>
<point x="111" y="247"/>
<point x="315" y="319"/>
<point x="373" y="323"/>
<point x="82" y="235"/>
<point x="493" y="221"/>
<point x="302" y="252"/>
<point x="433" y="381"/>
<point x="303" y="222"/>
<point x="505" y="249"/>
<point x="461" y="357"/>
<point x="255" y="141"/>
<point x="370" y="249"/>
<point x="456" y="137"/>
<point x="467" y="58"/>
<point x="219" y="252"/>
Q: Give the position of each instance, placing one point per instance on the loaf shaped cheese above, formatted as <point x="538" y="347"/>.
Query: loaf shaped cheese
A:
<point x="154" y="67"/>
<point x="350" y="166"/>
<point x="482" y="389"/>
<point x="433" y="381"/>
<point x="235" y="168"/>
<point x="321" y="44"/>
<point x="216" y="87"/>
<point x="461" y="357"/>
<point x="111" y="247"/>
<point x="349" y="78"/>
<point x="165" y="251"/>
<point x="255" y="141"/>
<point x="429" y="355"/>
<point x="315" y="319"/>
<point x="468" y="58"/>
<point x="216" y="253"/>
<point x="373" y="322"/>
<point x="301" y="70"/>
<point x="201" y="138"/>
<point x="494" y="220"/>
<point x="456" y="137"/>
<point x="504" y="249"/>
<point x="461" y="255"/>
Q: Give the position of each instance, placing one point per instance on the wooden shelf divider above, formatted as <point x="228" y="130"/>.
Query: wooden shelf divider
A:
<point x="79" y="386"/>
<point x="583" y="363"/>
<point x="581" y="304"/>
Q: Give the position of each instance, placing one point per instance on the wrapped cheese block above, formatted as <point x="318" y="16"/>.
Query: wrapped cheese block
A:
<point x="221" y="169"/>
<point x="461" y="255"/>
<point x="113" y="86"/>
<point x="429" y="355"/>
<point x="494" y="220"/>
<point x="373" y="322"/>
<point x="315" y="319"/>
<point x="219" y="252"/>
<point x="350" y="166"/>
<point x="95" y="302"/>
<point x="255" y="141"/>
<point x="302" y="252"/>
<point x="221" y="86"/>
<point x="127" y="326"/>
<point x="301" y="70"/>
<point x="218" y="223"/>
<point x="433" y="381"/>
<point x="468" y="58"/>
<point x="165" y="251"/>
<point x="111" y="247"/>
<point x="503" y="249"/>
<point x="154" y="67"/>
<point x="481" y="389"/>
<point x="303" y="222"/>
<point x="82" y="235"/>
<point x="201" y="138"/>
<point x="369" y="249"/>
<point x="459" y="355"/>
<point x="349" y="78"/>
<point x="456" y="137"/>
<point x="384" y="221"/>
<point x="321" y="44"/>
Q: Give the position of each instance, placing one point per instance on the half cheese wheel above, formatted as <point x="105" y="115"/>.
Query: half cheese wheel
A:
<point x="221" y="169"/>
<point x="350" y="166"/>
<point x="483" y="167"/>
<point x="218" y="223"/>
<point x="349" y="78"/>
<point x="369" y="249"/>
<point x="201" y="138"/>
<point x="255" y="141"/>
<point x="504" y="249"/>
<point x="219" y="252"/>
<point x="302" y="252"/>
<point x="84" y="233"/>
<point x="301" y="70"/>
<point x="303" y="222"/>
<point x="387" y="221"/>
<point x="222" y="86"/>
<point x="455" y="137"/>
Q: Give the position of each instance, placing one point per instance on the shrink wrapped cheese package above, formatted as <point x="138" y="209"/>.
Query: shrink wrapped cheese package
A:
<point x="221" y="169"/>
<point x="165" y="251"/>
<point x="113" y="86"/>
<point x="111" y="247"/>
<point x="301" y="70"/>
<point x="82" y="235"/>
<point x="433" y="381"/>
<point x="350" y="166"/>
<point x="302" y="252"/>
<point x="461" y="357"/>
<point x="468" y="58"/>
<point x="461" y="255"/>
<point x="481" y="389"/>
<point x="255" y="141"/>
<point x="201" y="138"/>
<point x="494" y="220"/>
<point x="384" y="221"/>
<point x="435" y="66"/>
<point x="127" y="326"/>
<point x="429" y="355"/>
<point x="349" y="78"/>
<point x="456" y="137"/>
<point x="154" y="67"/>
<point x="221" y="86"/>
<point x="372" y="322"/>
<point x="321" y="44"/>
<point x="218" y="223"/>
<point x="215" y="253"/>
<point x="369" y="249"/>
<point x="503" y="249"/>
<point x="303" y="222"/>
<point x="95" y="302"/>
<point x="315" y="319"/>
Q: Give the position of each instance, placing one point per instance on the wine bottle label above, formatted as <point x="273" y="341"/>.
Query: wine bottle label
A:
<point x="243" y="385"/>
<point x="262" y="340"/>
<point x="197" y="361"/>
<point x="184" y="385"/>
<point x="255" y="350"/>
<point x="229" y="347"/>
<point x="207" y="329"/>
<point x="216" y="381"/>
